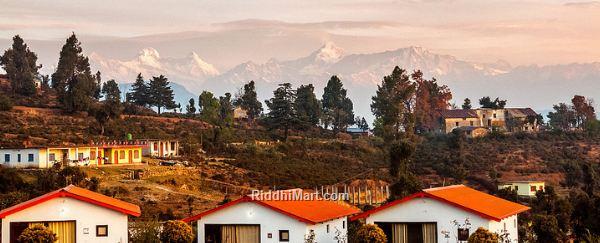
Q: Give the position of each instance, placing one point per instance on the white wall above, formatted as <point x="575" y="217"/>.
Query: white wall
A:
<point x="321" y="233"/>
<point x="512" y="228"/>
<point x="86" y="216"/>
<point x="429" y="210"/>
<point x="270" y="222"/>
<point x="24" y="158"/>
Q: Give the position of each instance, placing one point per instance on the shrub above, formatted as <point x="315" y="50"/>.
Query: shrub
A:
<point x="146" y="232"/>
<point x="5" y="103"/>
<point x="370" y="233"/>
<point x="37" y="234"/>
<point x="175" y="231"/>
<point x="483" y="235"/>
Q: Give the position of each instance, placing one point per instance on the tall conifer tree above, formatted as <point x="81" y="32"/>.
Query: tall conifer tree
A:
<point x="20" y="65"/>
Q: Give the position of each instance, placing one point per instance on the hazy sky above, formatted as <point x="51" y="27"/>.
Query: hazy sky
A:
<point x="521" y="32"/>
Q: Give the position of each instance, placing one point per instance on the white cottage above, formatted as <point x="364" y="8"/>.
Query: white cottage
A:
<point x="250" y="220"/>
<point x="445" y="214"/>
<point x="74" y="214"/>
<point x="160" y="148"/>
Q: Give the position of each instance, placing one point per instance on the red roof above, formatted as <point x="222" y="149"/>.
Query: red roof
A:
<point x="307" y="211"/>
<point x="465" y="198"/>
<point x="79" y="194"/>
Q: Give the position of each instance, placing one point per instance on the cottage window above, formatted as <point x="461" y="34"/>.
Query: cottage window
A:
<point x="541" y="188"/>
<point x="515" y="223"/>
<point x="136" y="154"/>
<point x="284" y="235"/>
<point x="343" y="224"/>
<point x="6" y="158"/>
<point x="92" y="154"/>
<point x="80" y="156"/>
<point x="52" y="157"/>
<point x="19" y="158"/>
<point x="532" y="188"/>
<point x="122" y="155"/>
<point x="472" y="123"/>
<point x="101" y="230"/>
<point x="494" y="115"/>
<point x="516" y="188"/>
<point x="456" y="124"/>
<point x="327" y="228"/>
<point x="30" y="157"/>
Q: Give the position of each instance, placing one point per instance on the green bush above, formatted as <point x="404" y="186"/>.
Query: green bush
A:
<point x="175" y="231"/>
<point x="370" y="233"/>
<point x="37" y="234"/>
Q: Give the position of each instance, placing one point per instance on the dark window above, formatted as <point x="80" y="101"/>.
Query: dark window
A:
<point x="494" y="115"/>
<point x="343" y="224"/>
<point x="532" y="188"/>
<point x="122" y="155"/>
<point x="327" y="228"/>
<point x="471" y="123"/>
<point x="52" y="157"/>
<point x="6" y="158"/>
<point x="80" y="156"/>
<point x="101" y="230"/>
<point x="30" y="157"/>
<point x="284" y="235"/>
<point x="457" y="124"/>
<point x="18" y="157"/>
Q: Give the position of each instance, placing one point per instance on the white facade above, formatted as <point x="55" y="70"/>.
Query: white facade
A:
<point x="86" y="216"/>
<point x="161" y="148"/>
<point x="22" y="158"/>
<point x="524" y="188"/>
<point x="271" y="222"/>
<point x="426" y="210"/>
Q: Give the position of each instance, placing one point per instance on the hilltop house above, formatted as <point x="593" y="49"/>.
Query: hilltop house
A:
<point x="524" y="188"/>
<point x="73" y="214"/>
<point x="252" y="220"/>
<point x="505" y="119"/>
<point x="93" y="154"/>
<point x="162" y="148"/>
<point x="240" y="113"/>
<point x="443" y="214"/>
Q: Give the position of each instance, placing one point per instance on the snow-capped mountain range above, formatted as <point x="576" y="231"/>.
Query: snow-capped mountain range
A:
<point x="362" y="72"/>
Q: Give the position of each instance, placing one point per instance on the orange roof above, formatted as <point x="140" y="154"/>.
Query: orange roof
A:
<point x="79" y="194"/>
<point x="463" y="197"/>
<point x="307" y="211"/>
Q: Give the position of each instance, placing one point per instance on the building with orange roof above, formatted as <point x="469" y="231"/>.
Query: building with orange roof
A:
<point x="252" y="219"/>
<point x="74" y="214"/>
<point x="443" y="214"/>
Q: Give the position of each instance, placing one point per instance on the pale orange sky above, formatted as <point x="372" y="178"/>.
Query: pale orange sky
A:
<point x="521" y="32"/>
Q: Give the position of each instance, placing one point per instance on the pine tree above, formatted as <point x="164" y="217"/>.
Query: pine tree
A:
<point x="361" y="123"/>
<point x="226" y="109"/>
<point x="307" y="106"/>
<point x="160" y="93"/>
<point x="248" y="101"/>
<point x="487" y="102"/>
<point x="337" y="107"/>
<point x="282" y="114"/>
<point x="97" y="88"/>
<point x="393" y="106"/>
<point x="20" y="65"/>
<point x="73" y="79"/>
<point x="467" y="104"/>
<point x="190" y="108"/>
<point x="139" y="94"/>
<point x="209" y="107"/>
<point x="111" y="107"/>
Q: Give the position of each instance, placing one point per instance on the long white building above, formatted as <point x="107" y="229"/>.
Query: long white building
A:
<point x="251" y="220"/>
<point x="74" y="214"/>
